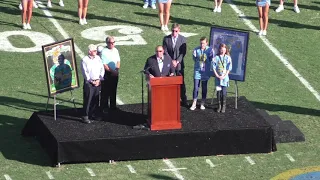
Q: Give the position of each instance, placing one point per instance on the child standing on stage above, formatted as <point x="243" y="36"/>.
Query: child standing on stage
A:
<point x="202" y="56"/>
<point x="222" y="65"/>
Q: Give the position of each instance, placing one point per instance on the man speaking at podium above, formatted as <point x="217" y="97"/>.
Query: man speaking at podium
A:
<point x="159" y="65"/>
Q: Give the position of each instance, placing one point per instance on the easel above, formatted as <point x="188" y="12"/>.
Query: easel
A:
<point x="55" y="103"/>
<point x="236" y="94"/>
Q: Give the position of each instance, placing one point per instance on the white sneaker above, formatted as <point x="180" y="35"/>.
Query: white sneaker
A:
<point x="145" y="6"/>
<point x="280" y="8"/>
<point x="81" y="22"/>
<point x="84" y="21"/>
<point x="35" y="4"/>
<point x="215" y="9"/>
<point x="296" y="9"/>
<point x="193" y="107"/>
<point x="264" y="32"/>
<point x="49" y="5"/>
<point x="163" y="28"/>
<point x="20" y="6"/>
<point x="153" y="6"/>
<point x="166" y="28"/>
<point x="24" y="26"/>
<point x="260" y="33"/>
<point x="28" y="26"/>
<point x="202" y="107"/>
<point x="61" y="3"/>
<point x="219" y="9"/>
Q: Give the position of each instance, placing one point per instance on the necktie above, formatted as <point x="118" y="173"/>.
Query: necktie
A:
<point x="174" y="42"/>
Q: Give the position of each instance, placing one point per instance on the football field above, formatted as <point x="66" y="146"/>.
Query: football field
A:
<point x="282" y="77"/>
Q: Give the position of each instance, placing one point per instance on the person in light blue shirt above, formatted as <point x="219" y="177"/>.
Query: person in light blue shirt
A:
<point x="221" y="66"/>
<point x="202" y="56"/>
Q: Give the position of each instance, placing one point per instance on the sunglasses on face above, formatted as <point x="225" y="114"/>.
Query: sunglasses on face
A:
<point x="159" y="51"/>
<point x="174" y="30"/>
<point x="111" y="42"/>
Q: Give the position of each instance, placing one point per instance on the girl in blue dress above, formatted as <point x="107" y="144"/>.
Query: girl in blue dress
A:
<point x="202" y="56"/>
<point x="222" y="65"/>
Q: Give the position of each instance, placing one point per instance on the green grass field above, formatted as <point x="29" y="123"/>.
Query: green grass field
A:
<point x="269" y="84"/>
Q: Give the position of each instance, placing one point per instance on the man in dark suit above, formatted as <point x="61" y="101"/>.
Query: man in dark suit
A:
<point x="159" y="65"/>
<point x="175" y="45"/>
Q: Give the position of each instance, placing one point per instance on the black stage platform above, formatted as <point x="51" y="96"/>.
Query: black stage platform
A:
<point x="67" y="140"/>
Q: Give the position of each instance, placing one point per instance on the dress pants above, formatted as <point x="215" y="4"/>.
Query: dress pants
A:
<point x="90" y="98"/>
<point x="183" y="86"/>
<point x="109" y="91"/>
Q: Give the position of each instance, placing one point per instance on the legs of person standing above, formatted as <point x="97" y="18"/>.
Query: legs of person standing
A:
<point x="295" y="6"/>
<point x="26" y="13"/>
<point x="219" y="100"/>
<point x="204" y="87"/>
<point x="104" y="102"/>
<point x="217" y="6"/>
<point x="160" y="13"/>
<point x="224" y="98"/>
<point x="196" y="85"/>
<point x="183" y="95"/>
<point x="151" y="3"/>
<point x="82" y="11"/>
<point x="90" y="101"/>
<point x="113" y="92"/>
<point x="167" y="7"/>
<point x="263" y="19"/>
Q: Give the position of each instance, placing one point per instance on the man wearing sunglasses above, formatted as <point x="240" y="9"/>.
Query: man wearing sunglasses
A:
<point x="159" y="65"/>
<point x="175" y="45"/>
<point x="111" y="62"/>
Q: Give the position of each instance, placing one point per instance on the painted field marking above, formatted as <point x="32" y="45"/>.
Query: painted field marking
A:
<point x="131" y="169"/>
<point x="90" y="172"/>
<point x="65" y="34"/>
<point x="274" y="50"/>
<point x="173" y="169"/>
<point x="49" y="175"/>
<point x="248" y="158"/>
<point x="210" y="163"/>
<point x="10" y="124"/>
<point x="290" y="158"/>
<point x="7" y="177"/>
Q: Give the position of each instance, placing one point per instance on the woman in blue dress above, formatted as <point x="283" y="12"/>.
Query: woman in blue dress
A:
<point x="222" y="65"/>
<point x="202" y="56"/>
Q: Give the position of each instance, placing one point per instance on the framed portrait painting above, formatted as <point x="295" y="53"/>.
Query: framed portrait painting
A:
<point x="237" y="43"/>
<point x="60" y="66"/>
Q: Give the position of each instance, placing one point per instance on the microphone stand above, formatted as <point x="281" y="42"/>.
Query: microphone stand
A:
<point x="142" y="92"/>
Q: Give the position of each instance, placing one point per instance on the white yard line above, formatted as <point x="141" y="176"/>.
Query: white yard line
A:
<point x="290" y="158"/>
<point x="210" y="163"/>
<point x="49" y="175"/>
<point x="7" y="177"/>
<point x="275" y="51"/>
<point x="173" y="169"/>
<point x="64" y="34"/>
<point x="248" y="158"/>
<point x="131" y="169"/>
<point x="90" y="172"/>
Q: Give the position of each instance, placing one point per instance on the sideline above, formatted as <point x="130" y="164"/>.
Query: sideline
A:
<point x="274" y="50"/>
<point x="65" y="34"/>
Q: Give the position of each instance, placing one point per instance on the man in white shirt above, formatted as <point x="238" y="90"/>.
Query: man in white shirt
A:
<point x="111" y="62"/>
<point x="93" y="72"/>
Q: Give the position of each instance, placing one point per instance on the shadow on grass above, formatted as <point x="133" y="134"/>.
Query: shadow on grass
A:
<point x="286" y="108"/>
<point x="162" y="177"/>
<point x="17" y="148"/>
<point x="24" y="105"/>
<point x="288" y="24"/>
<point x="180" y="21"/>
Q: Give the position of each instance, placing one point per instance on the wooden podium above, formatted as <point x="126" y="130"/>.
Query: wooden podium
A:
<point x="164" y="103"/>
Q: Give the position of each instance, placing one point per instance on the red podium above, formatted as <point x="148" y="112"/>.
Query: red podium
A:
<point x="164" y="103"/>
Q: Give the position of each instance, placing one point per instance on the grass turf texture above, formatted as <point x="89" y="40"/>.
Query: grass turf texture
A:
<point x="269" y="85"/>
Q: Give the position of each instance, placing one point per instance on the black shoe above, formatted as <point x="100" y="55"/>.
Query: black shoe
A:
<point x="97" y="118"/>
<point x="86" y="120"/>
<point x="184" y="103"/>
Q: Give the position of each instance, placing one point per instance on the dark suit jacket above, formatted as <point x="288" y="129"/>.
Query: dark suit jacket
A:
<point x="152" y="67"/>
<point x="178" y="52"/>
